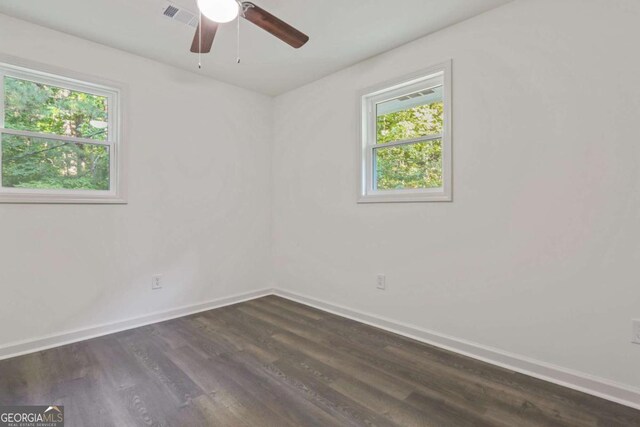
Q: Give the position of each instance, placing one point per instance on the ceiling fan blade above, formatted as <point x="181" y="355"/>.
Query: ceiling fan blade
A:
<point x="274" y="25"/>
<point x="209" y="29"/>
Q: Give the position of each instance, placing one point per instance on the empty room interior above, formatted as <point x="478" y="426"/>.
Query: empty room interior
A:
<point x="319" y="213"/>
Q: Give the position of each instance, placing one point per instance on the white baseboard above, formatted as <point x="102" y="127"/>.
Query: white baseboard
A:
<point x="600" y="387"/>
<point x="56" y="340"/>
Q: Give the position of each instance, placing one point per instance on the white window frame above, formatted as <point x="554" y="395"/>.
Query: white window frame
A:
<point x="68" y="80"/>
<point x="368" y="99"/>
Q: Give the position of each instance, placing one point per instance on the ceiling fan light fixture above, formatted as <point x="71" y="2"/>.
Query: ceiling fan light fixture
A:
<point x="220" y="11"/>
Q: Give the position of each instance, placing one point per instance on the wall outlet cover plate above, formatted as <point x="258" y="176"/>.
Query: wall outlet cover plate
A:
<point x="156" y="282"/>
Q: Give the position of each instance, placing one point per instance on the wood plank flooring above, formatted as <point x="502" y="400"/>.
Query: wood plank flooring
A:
<point x="273" y="362"/>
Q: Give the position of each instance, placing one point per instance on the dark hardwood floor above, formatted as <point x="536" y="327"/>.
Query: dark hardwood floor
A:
<point x="273" y="362"/>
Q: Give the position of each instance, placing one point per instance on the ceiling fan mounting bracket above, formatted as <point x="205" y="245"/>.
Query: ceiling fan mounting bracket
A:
<point x="244" y="6"/>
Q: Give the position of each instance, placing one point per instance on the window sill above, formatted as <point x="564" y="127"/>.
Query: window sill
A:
<point x="405" y="198"/>
<point x="58" y="199"/>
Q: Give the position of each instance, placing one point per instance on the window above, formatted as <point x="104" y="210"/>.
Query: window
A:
<point x="59" y="139"/>
<point x="405" y="147"/>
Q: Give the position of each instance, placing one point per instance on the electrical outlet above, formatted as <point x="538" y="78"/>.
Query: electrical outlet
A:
<point x="636" y="332"/>
<point x="156" y="282"/>
<point x="382" y="282"/>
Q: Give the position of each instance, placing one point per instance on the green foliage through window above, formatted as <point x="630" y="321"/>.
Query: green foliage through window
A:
<point x="49" y="164"/>
<point x="41" y="163"/>
<point x="411" y="166"/>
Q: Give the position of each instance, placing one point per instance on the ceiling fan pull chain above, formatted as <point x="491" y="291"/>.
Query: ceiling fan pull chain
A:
<point x="238" y="57"/>
<point x="200" y="41"/>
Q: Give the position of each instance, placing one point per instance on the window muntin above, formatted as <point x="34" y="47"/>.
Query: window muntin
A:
<point x="59" y="139"/>
<point x="406" y="145"/>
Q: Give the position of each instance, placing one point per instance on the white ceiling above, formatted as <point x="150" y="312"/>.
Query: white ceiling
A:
<point x="342" y="33"/>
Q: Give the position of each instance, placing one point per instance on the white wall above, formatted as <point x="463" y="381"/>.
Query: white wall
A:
<point x="199" y="201"/>
<point x="538" y="253"/>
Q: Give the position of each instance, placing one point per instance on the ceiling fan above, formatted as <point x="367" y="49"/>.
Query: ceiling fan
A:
<point x="216" y="12"/>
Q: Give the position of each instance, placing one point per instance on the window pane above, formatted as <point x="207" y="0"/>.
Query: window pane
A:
<point x="411" y="166"/>
<point x="38" y="163"/>
<point x="42" y="108"/>
<point x="412" y="116"/>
